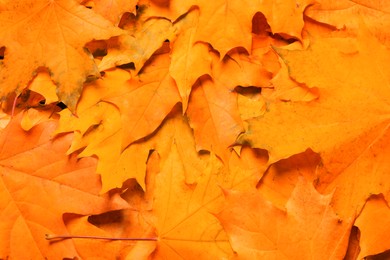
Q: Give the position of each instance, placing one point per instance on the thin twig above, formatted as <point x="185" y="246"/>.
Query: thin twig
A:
<point x="52" y="237"/>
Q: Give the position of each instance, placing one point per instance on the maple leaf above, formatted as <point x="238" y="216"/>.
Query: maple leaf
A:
<point x="121" y="110"/>
<point x="183" y="219"/>
<point x="268" y="232"/>
<point x="49" y="34"/>
<point x="350" y="14"/>
<point x="112" y="10"/>
<point x="36" y="193"/>
<point x="221" y="21"/>
<point x="131" y="224"/>
<point x="239" y="69"/>
<point x="190" y="59"/>
<point x="374" y="227"/>
<point x="214" y="116"/>
<point x="146" y="100"/>
<point x="352" y="110"/>
<point x="280" y="179"/>
<point x="171" y="9"/>
<point x="184" y="227"/>
<point x="143" y="38"/>
<point x="174" y="130"/>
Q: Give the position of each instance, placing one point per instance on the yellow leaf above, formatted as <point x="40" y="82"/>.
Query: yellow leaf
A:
<point x="50" y="34"/>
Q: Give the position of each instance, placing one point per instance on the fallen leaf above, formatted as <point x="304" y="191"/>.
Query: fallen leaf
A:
<point x="50" y="34"/>
<point x="348" y="15"/>
<point x="117" y="111"/>
<point x="142" y="39"/>
<point x="214" y="116"/>
<point x="281" y="178"/>
<point x="221" y="21"/>
<point x="36" y="193"/>
<point x="190" y="59"/>
<point x="239" y="69"/>
<point x="171" y="9"/>
<point x="112" y="10"/>
<point x="145" y="101"/>
<point x="352" y="110"/>
<point x="373" y="223"/>
<point x="259" y="230"/>
<point x="179" y="207"/>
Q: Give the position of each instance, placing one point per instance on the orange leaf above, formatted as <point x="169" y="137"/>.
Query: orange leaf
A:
<point x="308" y="228"/>
<point x="36" y="192"/>
<point x="349" y="15"/>
<point x="349" y="123"/>
<point x="226" y="24"/>
<point x="142" y="39"/>
<point x="280" y="179"/>
<point x="170" y="9"/>
<point x="214" y="116"/>
<point x="50" y="34"/>
<point x="145" y="101"/>
<point x="112" y="10"/>
<point x="239" y="69"/>
<point x="118" y="110"/>
<point x="183" y="222"/>
<point x="374" y="227"/>
<point x="190" y="60"/>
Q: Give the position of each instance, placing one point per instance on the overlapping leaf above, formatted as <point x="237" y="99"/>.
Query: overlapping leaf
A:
<point x="214" y="116"/>
<point x="271" y="233"/>
<point x="348" y="124"/>
<point x="117" y="111"/>
<point x="49" y="34"/>
<point x="306" y="81"/>
<point x="350" y="14"/>
<point x="373" y="224"/>
<point x="35" y="193"/>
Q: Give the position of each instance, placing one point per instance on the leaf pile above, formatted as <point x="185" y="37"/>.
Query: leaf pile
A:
<point x="194" y="129"/>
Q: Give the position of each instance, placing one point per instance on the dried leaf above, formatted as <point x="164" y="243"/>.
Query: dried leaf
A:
<point x="308" y="228"/>
<point x="50" y="34"/>
<point x="36" y="192"/>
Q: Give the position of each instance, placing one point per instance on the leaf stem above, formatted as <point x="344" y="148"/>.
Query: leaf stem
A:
<point x="53" y="237"/>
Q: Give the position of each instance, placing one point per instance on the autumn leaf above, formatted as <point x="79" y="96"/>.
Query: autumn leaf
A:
<point x="280" y="179"/>
<point x="179" y="207"/>
<point x="170" y="9"/>
<point x="373" y="225"/>
<point x="107" y="136"/>
<point x="268" y="232"/>
<point x="49" y="34"/>
<point x="190" y="59"/>
<point x="356" y="120"/>
<point x="131" y="223"/>
<point x="143" y="38"/>
<point x="36" y="193"/>
<point x="239" y="69"/>
<point x="214" y="116"/>
<point x="146" y="100"/>
<point x="221" y="21"/>
<point x="350" y="14"/>
<point x="168" y="129"/>
<point x="113" y="10"/>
